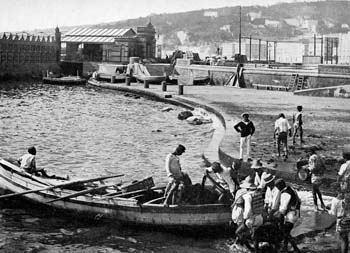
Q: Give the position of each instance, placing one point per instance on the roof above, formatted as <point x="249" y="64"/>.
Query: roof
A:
<point x="89" y="35"/>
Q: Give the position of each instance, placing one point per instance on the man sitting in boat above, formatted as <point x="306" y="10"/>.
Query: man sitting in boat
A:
<point x="28" y="164"/>
<point x="175" y="174"/>
<point x="225" y="176"/>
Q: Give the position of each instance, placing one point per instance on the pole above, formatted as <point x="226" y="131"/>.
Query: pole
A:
<point x="259" y="48"/>
<point x="322" y="49"/>
<point x="314" y="44"/>
<point x="240" y="34"/>
<point x="250" y="48"/>
<point x="267" y="51"/>
<point x="274" y="50"/>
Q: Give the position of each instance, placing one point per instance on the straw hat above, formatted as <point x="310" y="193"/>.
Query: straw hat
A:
<point x="244" y="114"/>
<point x="256" y="164"/>
<point x="267" y="178"/>
<point x="248" y="183"/>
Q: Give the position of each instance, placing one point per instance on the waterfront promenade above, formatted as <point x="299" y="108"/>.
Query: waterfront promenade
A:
<point x="327" y="127"/>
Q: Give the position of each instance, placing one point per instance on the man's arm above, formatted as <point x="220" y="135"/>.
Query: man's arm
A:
<point x="237" y="127"/>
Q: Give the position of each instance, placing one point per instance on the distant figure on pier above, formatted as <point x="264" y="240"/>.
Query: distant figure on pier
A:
<point x="298" y="124"/>
<point x="175" y="174"/>
<point x="282" y="128"/>
<point x="246" y="128"/>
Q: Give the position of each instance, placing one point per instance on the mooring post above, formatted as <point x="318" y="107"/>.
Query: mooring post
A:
<point x="127" y="81"/>
<point x="181" y="89"/>
<point x="112" y="79"/>
<point x="163" y="86"/>
<point x="146" y="84"/>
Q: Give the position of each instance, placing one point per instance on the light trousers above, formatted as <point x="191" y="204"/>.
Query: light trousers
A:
<point x="244" y="141"/>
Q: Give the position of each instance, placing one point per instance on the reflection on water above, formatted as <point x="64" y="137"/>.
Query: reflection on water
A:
<point x="85" y="132"/>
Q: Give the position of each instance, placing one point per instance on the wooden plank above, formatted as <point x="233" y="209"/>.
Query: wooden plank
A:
<point x="80" y="193"/>
<point x="60" y="186"/>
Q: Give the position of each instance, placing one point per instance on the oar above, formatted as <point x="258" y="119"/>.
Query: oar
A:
<point x="61" y="185"/>
<point x="76" y="194"/>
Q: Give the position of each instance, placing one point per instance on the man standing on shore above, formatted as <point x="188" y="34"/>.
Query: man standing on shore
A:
<point x="246" y="129"/>
<point x="298" y="124"/>
<point x="282" y="128"/>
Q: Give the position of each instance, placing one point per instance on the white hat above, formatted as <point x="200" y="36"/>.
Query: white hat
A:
<point x="267" y="177"/>
<point x="248" y="183"/>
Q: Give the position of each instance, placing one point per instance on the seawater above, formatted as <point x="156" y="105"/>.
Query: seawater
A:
<point x="85" y="132"/>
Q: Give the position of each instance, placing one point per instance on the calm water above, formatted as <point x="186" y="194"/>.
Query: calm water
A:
<point x="86" y="132"/>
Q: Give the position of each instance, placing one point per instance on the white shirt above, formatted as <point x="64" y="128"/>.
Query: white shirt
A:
<point x="272" y="198"/>
<point x="258" y="180"/>
<point x="338" y="210"/>
<point x="172" y="166"/>
<point x="343" y="167"/>
<point x="27" y="161"/>
<point x="282" y="125"/>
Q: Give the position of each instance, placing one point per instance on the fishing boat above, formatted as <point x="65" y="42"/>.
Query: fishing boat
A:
<point x="125" y="204"/>
<point x="66" y="80"/>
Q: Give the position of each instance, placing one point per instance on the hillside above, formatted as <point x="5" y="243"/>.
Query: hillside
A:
<point x="276" y="22"/>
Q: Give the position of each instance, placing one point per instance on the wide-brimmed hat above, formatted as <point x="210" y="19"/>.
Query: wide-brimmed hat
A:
<point x="256" y="164"/>
<point x="267" y="178"/>
<point x="248" y="183"/>
<point x="244" y="114"/>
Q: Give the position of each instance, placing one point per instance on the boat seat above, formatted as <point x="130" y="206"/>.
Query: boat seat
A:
<point x="154" y="201"/>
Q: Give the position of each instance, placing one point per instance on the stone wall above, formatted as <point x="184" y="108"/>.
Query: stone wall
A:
<point x="26" y="71"/>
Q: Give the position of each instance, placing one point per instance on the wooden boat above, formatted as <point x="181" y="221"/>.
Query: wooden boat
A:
<point x="141" y="207"/>
<point x="111" y="72"/>
<point x="66" y="80"/>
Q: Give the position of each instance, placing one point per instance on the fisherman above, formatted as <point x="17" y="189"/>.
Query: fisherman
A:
<point x="224" y="176"/>
<point x="288" y="212"/>
<point x="339" y="211"/>
<point x="259" y="173"/>
<point x="317" y="168"/>
<point x="298" y="124"/>
<point x="282" y="128"/>
<point x="27" y="161"/>
<point x="28" y="164"/>
<point x="272" y="194"/>
<point x="253" y="208"/>
<point x="174" y="172"/>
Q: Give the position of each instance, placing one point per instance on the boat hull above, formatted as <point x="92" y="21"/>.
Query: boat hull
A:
<point x="125" y="210"/>
<point x="64" y="80"/>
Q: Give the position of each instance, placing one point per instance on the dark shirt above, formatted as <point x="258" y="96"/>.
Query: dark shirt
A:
<point x="245" y="128"/>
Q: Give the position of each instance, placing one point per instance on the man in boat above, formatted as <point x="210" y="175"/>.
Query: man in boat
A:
<point x="225" y="176"/>
<point x="28" y="164"/>
<point x="27" y="161"/>
<point x="174" y="172"/>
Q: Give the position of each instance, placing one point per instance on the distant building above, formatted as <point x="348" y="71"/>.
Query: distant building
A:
<point x="254" y="15"/>
<point x="225" y="28"/>
<point x="293" y="21"/>
<point x="272" y="23"/>
<point x="213" y="14"/>
<point x="110" y="45"/>
<point x="23" y="48"/>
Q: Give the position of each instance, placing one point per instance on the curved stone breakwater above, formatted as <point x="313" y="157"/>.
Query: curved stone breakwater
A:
<point x="212" y="152"/>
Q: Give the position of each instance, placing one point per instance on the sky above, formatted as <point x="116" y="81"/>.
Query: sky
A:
<point x="26" y="15"/>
